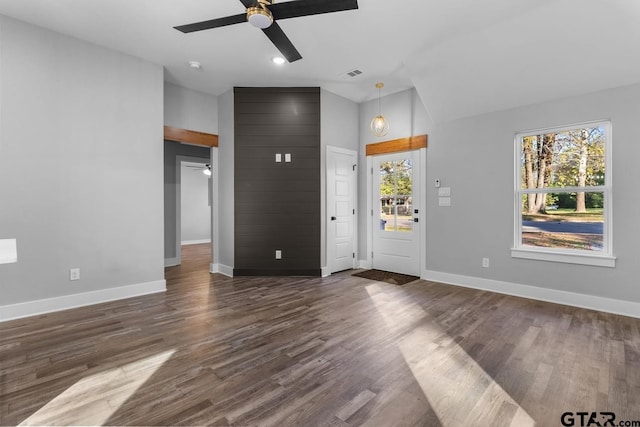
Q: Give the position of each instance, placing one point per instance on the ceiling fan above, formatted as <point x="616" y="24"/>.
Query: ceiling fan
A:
<point x="263" y="14"/>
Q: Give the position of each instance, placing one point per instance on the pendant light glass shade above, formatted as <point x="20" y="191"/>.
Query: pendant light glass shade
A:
<point x="379" y="125"/>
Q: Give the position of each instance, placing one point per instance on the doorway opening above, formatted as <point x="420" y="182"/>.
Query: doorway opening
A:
<point x="176" y="157"/>
<point x="193" y="218"/>
<point x="397" y="203"/>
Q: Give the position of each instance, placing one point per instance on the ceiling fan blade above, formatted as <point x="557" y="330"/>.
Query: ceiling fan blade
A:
<point x="249" y="3"/>
<point x="294" y="9"/>
<point x="212" y="23"/>
<point x="282" y="42"/>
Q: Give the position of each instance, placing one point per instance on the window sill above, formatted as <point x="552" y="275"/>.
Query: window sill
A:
<point x="598" y="260"/>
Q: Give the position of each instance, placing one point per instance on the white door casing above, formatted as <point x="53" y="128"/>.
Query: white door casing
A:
<point x="395" y="226"/>
<point x="341" y="203"/>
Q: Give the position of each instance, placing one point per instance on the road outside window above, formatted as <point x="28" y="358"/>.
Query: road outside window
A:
<point x="563" y="194"/>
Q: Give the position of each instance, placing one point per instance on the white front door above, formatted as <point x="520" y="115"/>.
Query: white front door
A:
<point x="341" y="197"/>
<point x="396" y="226"/>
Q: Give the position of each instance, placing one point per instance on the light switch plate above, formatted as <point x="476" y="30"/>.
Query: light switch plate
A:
<point x="444" y="191"/>
<point x="287" y="157"/>
<point x="444" y="201"/>
<point x="278" y="157"/>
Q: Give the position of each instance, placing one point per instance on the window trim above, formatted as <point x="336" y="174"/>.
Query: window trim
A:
<point x="604" y="258"/>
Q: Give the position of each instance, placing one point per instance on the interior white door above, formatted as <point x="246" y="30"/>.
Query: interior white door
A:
<point x="395" y="201"/>
<point x="341" y="197"/>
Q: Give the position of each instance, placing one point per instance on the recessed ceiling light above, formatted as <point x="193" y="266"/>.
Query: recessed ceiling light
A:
<point x="195" y="65"/>
<point x="278" y="60"/>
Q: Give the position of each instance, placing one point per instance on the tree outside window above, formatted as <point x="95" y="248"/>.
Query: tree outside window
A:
<point x="396" y="181"/>
<point x="563" y="192"/>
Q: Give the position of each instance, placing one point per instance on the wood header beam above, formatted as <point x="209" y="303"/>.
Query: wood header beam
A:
<point x="397" y="145"/>
<point x="190" y="136"/>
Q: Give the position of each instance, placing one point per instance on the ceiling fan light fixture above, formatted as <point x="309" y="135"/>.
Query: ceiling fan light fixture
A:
<point x="278" y="60"/>
<point x="379" y="125"/>
<point x="259" y="17"/>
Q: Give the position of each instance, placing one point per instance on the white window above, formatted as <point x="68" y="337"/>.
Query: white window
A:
<point x="563" y="194"/>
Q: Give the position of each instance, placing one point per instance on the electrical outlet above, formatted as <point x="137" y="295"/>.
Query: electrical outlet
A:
<point x="485" y="262"/>
<point x="278" y="254"/>
<point x="74" y="274"/>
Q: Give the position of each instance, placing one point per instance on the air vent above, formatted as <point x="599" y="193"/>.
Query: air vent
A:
<point x="351" y="74"/>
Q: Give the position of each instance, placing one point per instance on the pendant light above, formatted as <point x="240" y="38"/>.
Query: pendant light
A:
<point x="379" y="125"/>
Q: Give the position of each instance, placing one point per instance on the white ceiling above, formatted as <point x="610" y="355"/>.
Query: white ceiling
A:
<point x="463" y="56"/>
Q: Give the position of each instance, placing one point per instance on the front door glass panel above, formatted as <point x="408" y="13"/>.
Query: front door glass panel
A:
<point x="396" y="196"/>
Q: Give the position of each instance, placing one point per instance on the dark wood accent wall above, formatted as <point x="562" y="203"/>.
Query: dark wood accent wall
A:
<point x="277" y="205"/>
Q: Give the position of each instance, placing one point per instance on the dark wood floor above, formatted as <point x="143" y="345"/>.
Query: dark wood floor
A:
<point x="337" y="351"/>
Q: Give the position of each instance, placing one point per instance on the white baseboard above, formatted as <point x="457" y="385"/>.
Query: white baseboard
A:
<point x="225" y="270"/>
<point x="171" y="262"/>
<point x="195" y="242"/>
<point x="32" y="308"/>
<point x="609" y="305"/>
<point x="325" y="272"/>
<point x="365" y="263"/>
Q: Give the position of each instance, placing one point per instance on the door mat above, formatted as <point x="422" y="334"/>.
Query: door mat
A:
<point x="386" y="276"/>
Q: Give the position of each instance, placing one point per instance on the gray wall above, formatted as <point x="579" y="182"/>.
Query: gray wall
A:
<point x="339" y="125"/>
<point x="195" y="207"/>
<point x="338" y="128"/>
<point x="189" y="109"/>
<point x="407" y="116"/>
<point x="474" y="157"/>
<point x="172" y="151"/>
<point x="225" y="182"/>
<point x="80" y="165"/>
<point x="80" y="131"/>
